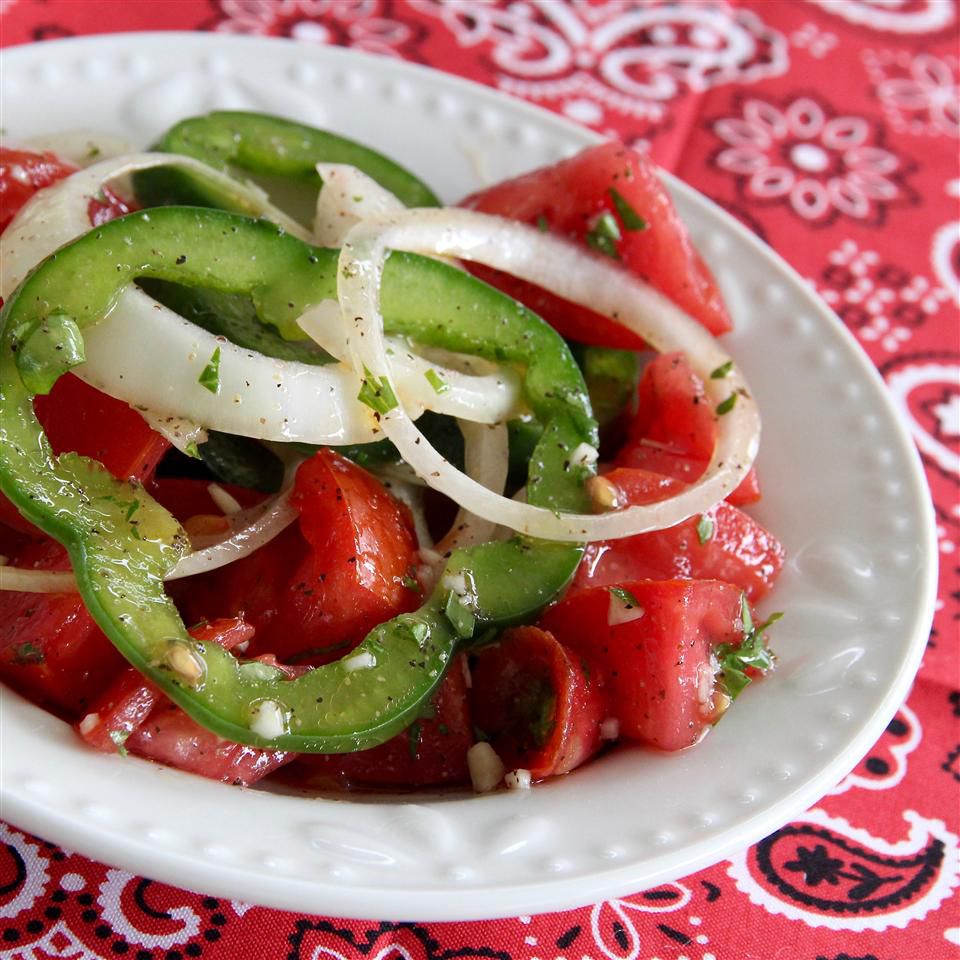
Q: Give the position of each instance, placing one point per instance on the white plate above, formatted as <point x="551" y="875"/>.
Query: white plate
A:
<point x="844" y="491"/>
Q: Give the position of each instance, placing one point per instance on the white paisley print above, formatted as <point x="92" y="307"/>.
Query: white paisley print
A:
<point x="817" y="163"/>
<point x="629" y="58"/>
<point x="894" y="16"/>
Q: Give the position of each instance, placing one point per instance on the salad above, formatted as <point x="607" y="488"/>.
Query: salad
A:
<point x="348" y="488"/>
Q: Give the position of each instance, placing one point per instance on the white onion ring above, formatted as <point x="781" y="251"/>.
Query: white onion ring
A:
<point x="347" y="196"/>
<point x="486" y="460"/>
<point x="575" y="275"/>
<point x="259" y="396"/>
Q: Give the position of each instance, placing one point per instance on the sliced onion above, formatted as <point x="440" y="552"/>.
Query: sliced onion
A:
<point x="82" y="148"/>
<point x="482" y="398"/>
<point x="348" y="195"/>
<point x="568" y="272"/>
<point x="180" y="433"/>
<point x="259" y="396"/>
<point x="25" y="580"/>
<point x="486" y="460"/>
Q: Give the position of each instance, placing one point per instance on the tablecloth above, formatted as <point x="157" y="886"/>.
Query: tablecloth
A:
<point x="830" y="128"/>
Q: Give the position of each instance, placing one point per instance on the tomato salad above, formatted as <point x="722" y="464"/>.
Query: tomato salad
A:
<point x="340" y="481"/>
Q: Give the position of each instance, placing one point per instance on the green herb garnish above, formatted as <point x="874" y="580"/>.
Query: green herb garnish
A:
<point x="377" y="394"/>
<point x="604" y="234"/>
<point x="625" y="597"/>
<point x="750" y="653"/>
<point x="209" y="379"/>
<point x="727" y="405"/>
<point x="705" y="527"/>
<point x="721" y="371"/>
<point x="119" y="738"/>
<point x="543" y="225"/>
<point x="631" y="219"/>
<point x="436" y="381"/>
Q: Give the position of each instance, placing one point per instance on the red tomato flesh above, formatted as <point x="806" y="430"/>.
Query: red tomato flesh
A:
<point x="674" y="430"/>
<point x="534" y="701"/>
<point x="51" y="651"/>
<point x="735" y="548"/>
<point x="657" y="667"/>
<point x="569" y="198"/>
<point x="315" y="591"/>
<point x="133" y="715"/>
<point x="22" y="174"/>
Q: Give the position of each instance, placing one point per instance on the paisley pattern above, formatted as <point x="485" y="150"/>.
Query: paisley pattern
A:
<point x="856" y="183"/>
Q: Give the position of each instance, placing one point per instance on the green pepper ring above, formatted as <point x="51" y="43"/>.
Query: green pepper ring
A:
<point x="122" y="543"/>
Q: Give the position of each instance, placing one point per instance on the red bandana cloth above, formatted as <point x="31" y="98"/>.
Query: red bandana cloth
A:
<point x="833" y="135"/>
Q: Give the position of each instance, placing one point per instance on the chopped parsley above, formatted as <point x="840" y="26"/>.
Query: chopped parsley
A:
<point x="727" y="405"/>
<point x="119" y="738"/>
<point x="377" y="394"/>
<point x="209" y="378"/>
<point x="750" y="654"/>
<point x="543" y="225"/>
<point x="28" y="653"/>
<point x="625" y="597"/>
<point x="721" y="371"/>
<point x="132" y="509"/>
<point x="436" y="381"/>
<point x="705" y="528"/>
<point x="192" y="450"/>
<point x="604" y="234"/>
<point x="410" y="583"/>
<point x="631" y="219"/>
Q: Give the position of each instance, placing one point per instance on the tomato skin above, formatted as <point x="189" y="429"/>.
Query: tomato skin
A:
<point x="738" y="551"/>
<point x="22" y="174"/>
<point x="51" y="651"/>
<point x="431" y="753"/>
<point x="674" y="430"/>
<point x="534" y="701"/>
<point x="316" y="590"/>
<point x="656" y="668"/>
<point x="134" y="715"/>
<point x="569" y="197"/>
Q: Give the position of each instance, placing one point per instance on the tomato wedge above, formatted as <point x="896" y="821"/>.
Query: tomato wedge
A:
<point x="722" y="544"/>
<point x="135" y="717"/>
<point x="649" y="643"/>
<point x="317" y="589"/>
<point x="610" y="199"/>
<point x="22" y="174"/>
<point x="674" y="430"/>
<point x="535" y="702"/>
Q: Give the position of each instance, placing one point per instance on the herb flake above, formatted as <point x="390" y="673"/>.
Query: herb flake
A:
<point x="604" y="234"/>
<point x="209" y="378"/>
<point x="630" y="218"/>
<point x="705" y="529"/>
<point x="436" y="381"/>
<point x="722" y="371"/>
<point x="625" y="597"/>
<point x="377" y="394"/>
<point x="119" y="738"/>
<point x="727" y="405"/>
<point x="750" y="654"/>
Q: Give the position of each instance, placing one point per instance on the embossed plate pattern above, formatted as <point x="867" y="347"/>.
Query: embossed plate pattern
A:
<point x="843" y="490"/>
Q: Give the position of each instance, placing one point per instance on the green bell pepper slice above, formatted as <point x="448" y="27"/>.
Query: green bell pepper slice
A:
<point x="282" y="152"/>
<point x="122" y="543"/>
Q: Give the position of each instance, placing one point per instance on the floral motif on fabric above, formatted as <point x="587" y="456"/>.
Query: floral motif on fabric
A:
<point x="882" y="303"/>
<point x="821" y="165"/>
<point x="919" y="92"/>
